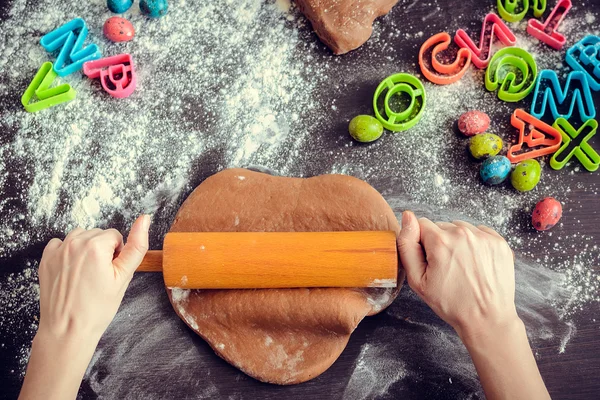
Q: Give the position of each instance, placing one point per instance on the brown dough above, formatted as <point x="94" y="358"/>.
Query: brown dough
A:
<point x="344" y="25"/>
<point x="281" y="336"/>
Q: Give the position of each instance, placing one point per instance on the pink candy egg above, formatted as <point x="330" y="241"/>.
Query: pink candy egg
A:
<point x="473" y="123"/>
<point x="546" y="214"/>
<point x="117" y="29"/>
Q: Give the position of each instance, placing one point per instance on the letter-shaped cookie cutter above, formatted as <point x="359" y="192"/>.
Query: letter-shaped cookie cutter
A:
<point x="549" y="93"/>
<point x="584" y="152"/>
<point x="47" y="96"/>
<point x="584" y="56"/>
<point x="493" y="26"/>
<point x="513" y="70"/>
<point x="116" y="74"/>
<point x="69" y="38"/>
<point x="396" y="84"/>
<point x="435" y="70"/>
<point x="547" y="32"/>
<point x="534" y="133"/>
<point x="507" y="9"/>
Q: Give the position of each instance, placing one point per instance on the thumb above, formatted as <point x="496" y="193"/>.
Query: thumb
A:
<point x="411" y="253"/>
<point x="136" y="247"/>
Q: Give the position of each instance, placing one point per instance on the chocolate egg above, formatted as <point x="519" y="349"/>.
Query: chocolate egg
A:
<point x="154" y="8"/>
<point x="526" y="175"/>
<point x="546" y="214"/>
<point x="473" y="123"/>
<point x="495" y="170"/>
<point x="117" y="29"/>
<point x="119" y="6"/>
<point x="484" y="146"/>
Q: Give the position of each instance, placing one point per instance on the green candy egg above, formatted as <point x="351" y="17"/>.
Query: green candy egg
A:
<point x="526" y="175"/>
<point x="485" y="145"/>
<point x="365" y="128"/>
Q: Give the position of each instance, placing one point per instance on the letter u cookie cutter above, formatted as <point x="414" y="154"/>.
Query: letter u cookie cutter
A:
<point x="47" y="96"/>
<point x="547" y="31"/>
<point x="396" y="84"/>
<point x="69" y="38"/>
<point x="548" y="96"/>
<point x="534" y="133"/>
<point x="584" y="152"/>
<point x="513" y="70"/>
<point x="584" y="56"/>
<point x="116" y="74"/>
<point x="435" y="70"/>
<point x="507" y="9"/>
<point x="493" y="26"/>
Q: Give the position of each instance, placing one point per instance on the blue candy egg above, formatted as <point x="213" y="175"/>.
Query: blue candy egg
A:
<point x="119" y="6"/>
<point x="495" y="170"/>
<point x="154" y="8"/>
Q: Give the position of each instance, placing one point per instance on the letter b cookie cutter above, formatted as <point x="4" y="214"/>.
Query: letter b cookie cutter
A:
<point x="396" y="84"/>
<point x="116" y="74"/>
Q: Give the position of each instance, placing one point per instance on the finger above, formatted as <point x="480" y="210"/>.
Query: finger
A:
<point x="136" y="247"/>
<point x="466" y="225"/>
<point x="411" y="253"/>
<point x="445" y="225"/>
<point x="489" y="230"/>
<point x="90" y="233"/>
<point x="52" y="245"/>
<point x="429" y="231"/>
<point x="74" y="233"/>
<point x="112" y="236"/>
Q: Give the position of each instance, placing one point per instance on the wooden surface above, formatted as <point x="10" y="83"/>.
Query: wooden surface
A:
<point x="575" y="374"/>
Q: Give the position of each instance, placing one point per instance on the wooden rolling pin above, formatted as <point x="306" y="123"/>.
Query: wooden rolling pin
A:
<point x="253" y="260"/>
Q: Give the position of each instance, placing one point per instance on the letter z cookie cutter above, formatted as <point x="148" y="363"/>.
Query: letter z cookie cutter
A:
<point x="116" y="74"/>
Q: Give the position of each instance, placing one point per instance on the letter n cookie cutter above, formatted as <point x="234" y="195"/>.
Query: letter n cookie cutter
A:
<point x="116" y="74"/>
<point x="547" y="32"/>
<point x="549" y="94"/>
<point x="584" y="152"/>
<point x="69" y="38"/>
<point x="507" y="9"/>
<point x="435" y="70"/>
<point x="493" y="26"/>
<point x="47" y="96"/>
<point x="397" y="84"/>
<point x="584" y="56"/>
<point x="534" y="133"/>
<point x="513" y="70"/>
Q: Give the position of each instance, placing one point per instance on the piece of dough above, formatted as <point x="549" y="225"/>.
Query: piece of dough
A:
<point x="281" y="336"/>
<point x="344" y="25"/>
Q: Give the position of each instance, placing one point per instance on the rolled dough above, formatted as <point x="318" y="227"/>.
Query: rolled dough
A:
<point x="281" y="336"/>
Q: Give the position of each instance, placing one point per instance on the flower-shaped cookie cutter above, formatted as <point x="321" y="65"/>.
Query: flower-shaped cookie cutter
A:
<point x="398" y="84"/>
<point x="513" y="70"/>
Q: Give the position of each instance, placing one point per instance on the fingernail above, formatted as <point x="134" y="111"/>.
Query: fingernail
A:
<point x="146" y="222"/>
<point x="405" y="219"/>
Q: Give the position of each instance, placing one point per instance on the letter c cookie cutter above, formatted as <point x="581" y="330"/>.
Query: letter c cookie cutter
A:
<point x="435" y="70"/>
<point x="116" y="74"/>
<point x="396" y="84"/>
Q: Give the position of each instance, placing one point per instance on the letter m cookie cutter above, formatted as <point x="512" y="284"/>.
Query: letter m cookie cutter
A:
<point x="116" y="74"/>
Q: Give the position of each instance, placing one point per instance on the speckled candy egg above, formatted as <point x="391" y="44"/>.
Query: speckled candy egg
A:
<point x="365" y="128"/>
<point x="117" y="29"/>
<point x="546" y="214"/>
<point x="473" y="123"/>
<point x="119" y="6"/>
<point x="484" y="146"/>
<point x="495" y="170"/>
<point x="154" y="8"/>
<point x="526" y="175"/>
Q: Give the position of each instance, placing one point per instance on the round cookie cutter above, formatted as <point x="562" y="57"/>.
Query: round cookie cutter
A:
<point x="397" y="84"/>
<point x="502" y="72"/>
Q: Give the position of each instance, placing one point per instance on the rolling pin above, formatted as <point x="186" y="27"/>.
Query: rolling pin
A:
<point x="256" y="260"/>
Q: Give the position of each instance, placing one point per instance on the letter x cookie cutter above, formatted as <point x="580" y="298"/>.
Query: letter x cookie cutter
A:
<point x="116" y="74"/>
<point x="584" y="152"/>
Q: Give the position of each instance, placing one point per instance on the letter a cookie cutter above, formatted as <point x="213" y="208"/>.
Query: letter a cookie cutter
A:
<point x="493" y="26"/>
<point x="116" y="74"/>
<point x="547" y="32"/>
<point x="584" y="152"/>
<point x="69" y="38"/>
<point x="47" y="96"/>
<point x="435" y="70"/>
<point x="534" y="133"/>
<point x="513" y="70"/>
<point x="549" y="95"/>
<point x="584" y="56"/>
<point x="397" y="84"/>
<point x="507" y="9"/>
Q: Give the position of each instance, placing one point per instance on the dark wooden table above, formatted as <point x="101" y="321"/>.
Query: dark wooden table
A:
<point x="405" y="352"/>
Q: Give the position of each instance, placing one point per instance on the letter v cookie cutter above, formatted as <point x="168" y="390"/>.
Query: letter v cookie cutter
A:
<point x="547" y="31"/>
<point x="71" y="46"/>
<point x="116" y="73"/>
<point x="40" y="88"/>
